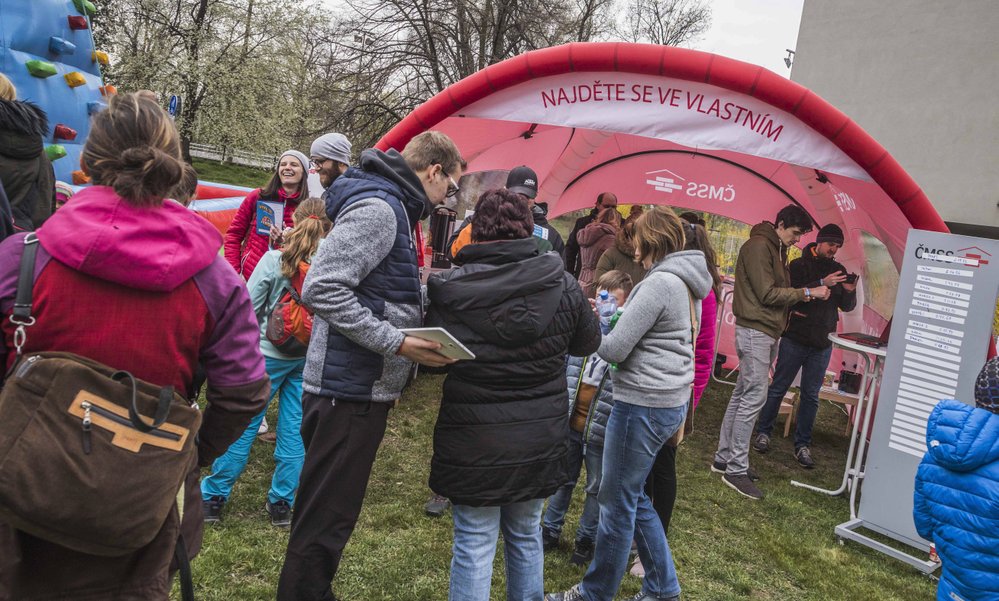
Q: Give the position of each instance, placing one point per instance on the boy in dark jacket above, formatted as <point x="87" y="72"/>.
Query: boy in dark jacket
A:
<point x="956" y="501"/>
<point x="591" y="398"/>
<point x="805" y="345"/>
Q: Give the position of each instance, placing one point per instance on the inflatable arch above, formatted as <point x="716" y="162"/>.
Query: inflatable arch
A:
<point x="663" y="125"/>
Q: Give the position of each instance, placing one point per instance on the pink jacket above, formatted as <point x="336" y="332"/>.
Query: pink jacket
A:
<point x="704" y="353"/>
<point x="593" y="241"/>
<point x="243" y="245"/>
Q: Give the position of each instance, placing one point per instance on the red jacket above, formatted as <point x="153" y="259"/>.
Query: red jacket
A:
<point x="243" y="245"/>
<point x="142" y="290"/>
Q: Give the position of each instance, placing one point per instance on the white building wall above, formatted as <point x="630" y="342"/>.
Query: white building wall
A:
<point x="922" y="77"/>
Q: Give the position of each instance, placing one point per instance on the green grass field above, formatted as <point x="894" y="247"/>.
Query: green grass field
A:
<point x="726" y="547"/>
<point x="236" y="175"/>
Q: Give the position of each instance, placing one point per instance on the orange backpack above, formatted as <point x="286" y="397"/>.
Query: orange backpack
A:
<point x="289" y="326"/>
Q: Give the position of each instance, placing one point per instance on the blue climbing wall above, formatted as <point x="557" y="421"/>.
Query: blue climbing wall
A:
<point x="47" y="51"/>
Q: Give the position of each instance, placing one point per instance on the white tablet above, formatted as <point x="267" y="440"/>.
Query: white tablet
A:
<point x="450" y="346"/>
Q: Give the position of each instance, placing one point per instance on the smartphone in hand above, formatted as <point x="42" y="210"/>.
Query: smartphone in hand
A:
<point x="851" y="278"/>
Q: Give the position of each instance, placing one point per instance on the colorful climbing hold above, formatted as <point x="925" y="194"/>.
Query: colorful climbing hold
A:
<point x="59" y="45"/>
<point x="95" y="106"/>
<point x="40" y="68"/>
<point x="64" y="132"/>
<point x="108" y="90"/>
<point x="99" y="56"/>
<point x="80" y="178"/>
<point x="75" y="79"/>
<point x="85" y="7"/>
<point x="55" y="151"/>
<point x="76" y="22"/>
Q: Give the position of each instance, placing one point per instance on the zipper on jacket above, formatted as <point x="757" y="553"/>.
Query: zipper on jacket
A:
<point x="88" y="407"/>
<point x="86" y="427"/>
<point x="23" y="368"/>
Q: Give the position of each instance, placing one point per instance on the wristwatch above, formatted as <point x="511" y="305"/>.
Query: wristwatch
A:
<point x="808" y="293"/>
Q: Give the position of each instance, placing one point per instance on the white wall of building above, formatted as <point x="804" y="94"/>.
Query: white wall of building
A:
<point x="922" y="77"/>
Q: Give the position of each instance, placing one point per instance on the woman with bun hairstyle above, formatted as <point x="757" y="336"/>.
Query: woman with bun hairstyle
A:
<point x="277" y="272"/>
<point x="128" y="279"/>
<point x="289" y="185"/>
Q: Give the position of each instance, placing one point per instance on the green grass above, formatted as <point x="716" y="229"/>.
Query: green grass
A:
<point x="235" y="175"/>
<point x="725" y="546"/>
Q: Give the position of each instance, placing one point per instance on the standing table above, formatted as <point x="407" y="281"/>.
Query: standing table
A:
<point x="873" y="362"/>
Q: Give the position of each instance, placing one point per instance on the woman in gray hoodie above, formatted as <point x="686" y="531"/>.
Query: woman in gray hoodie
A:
<point x="652" y="345"/>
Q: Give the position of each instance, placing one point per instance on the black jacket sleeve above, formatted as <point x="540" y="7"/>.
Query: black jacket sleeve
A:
<point x="572" y="261"/>
<point x="586" y="339"/>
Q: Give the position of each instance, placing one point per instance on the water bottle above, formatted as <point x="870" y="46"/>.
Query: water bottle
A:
<point x="606" y="308"/>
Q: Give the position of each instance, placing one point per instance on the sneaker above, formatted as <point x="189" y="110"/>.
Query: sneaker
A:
<point x="743" y="484"/>
<point x="270" y="437"/>
<point x="643" y="596"/>
<point x="637" y="569"/>
<point x="212" y="507"/>
<point x="549" y="540"/>
<point x="762" y="443"/>
<point x="719" y="468"/>
<point x="263" y="426"/>
<point x="572" y="594"/>
<point x="280" y="513"/>
<point x="804" y="457"/>
<point x="437" y="506"/>
<point x="583" y="553"/>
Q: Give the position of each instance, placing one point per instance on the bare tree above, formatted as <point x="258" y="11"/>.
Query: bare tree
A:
<point x="665" y="22"/>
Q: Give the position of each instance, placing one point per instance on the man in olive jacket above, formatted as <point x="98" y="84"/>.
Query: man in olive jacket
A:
<point x="763" y="295"/>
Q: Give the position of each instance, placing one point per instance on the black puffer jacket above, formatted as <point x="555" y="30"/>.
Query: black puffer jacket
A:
<point x="501" y="435"/>
<point x="25" y="169"/>
<point x="811" y="323"/>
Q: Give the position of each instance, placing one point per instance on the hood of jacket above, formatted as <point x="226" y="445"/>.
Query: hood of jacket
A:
<point x="623" y="245"/>
<point x="766" y="230"/>
<point x="540" y="213"/>
<point x="505" y="291"/>
<point x="594" y="232"/>
<point x="689" y="266"/>
<point x="387" y="166"/>
<point x="962" y="438"/>
<point x="157" y="248"/>
<point x="23" y="125"/>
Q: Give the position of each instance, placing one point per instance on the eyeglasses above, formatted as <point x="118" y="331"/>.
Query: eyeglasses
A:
<point x="318" y="163"/>
<point x="452" y="187"/>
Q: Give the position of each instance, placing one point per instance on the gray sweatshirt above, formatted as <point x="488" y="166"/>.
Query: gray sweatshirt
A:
<point x="651" y="342"/>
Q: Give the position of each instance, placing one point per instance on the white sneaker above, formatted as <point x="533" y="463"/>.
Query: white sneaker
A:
<point x="263" y="426"/>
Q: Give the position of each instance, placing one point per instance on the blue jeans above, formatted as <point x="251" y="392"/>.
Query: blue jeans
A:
<point x="633" y="439"/>
<point x="286" y="380"/>
<point x="588" y="521"/>
<point x="475" y="532"/>
<point x="558" y="503"/>
<point x="813" y="363"/>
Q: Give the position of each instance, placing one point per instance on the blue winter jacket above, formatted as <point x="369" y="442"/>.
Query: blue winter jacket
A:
<point x="956" y="503"/>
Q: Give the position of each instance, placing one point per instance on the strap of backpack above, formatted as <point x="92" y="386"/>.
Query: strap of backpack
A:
<point x="21" y="315"/>
<point x="184" y="569"/>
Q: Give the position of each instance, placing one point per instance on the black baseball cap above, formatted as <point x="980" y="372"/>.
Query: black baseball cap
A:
<point x="523" y="180"/>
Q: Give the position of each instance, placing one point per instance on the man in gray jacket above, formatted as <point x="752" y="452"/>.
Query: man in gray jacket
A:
<point x="363" y="287"/>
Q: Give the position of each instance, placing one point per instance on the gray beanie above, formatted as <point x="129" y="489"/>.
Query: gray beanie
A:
<point x="332" y="146"/>
<point x="304" y="160"/>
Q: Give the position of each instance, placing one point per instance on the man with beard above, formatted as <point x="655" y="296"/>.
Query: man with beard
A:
<point x="330" y="157"/>
<point x="363" y="287"/>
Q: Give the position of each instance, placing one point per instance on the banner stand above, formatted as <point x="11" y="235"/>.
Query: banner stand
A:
<point x="939" y="340"/>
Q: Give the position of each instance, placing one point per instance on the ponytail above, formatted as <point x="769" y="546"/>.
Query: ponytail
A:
<point x="311" y="226"/>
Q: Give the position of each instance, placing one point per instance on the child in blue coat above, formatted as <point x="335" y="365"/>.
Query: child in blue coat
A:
<point x="956" y="503"/>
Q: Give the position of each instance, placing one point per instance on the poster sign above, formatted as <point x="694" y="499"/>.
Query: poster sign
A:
<point x="939" y="339"/>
